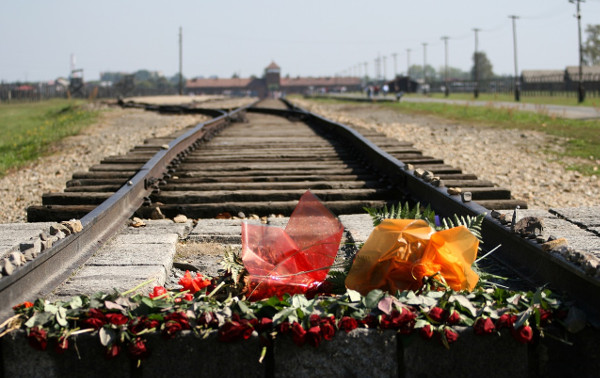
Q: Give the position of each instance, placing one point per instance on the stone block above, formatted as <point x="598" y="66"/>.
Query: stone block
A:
<point x="360" y="353"/>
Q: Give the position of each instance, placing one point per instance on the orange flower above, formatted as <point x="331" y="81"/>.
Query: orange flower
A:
<point x="399" y="253"/>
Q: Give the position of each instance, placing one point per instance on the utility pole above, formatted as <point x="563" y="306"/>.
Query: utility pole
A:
<point x="476" y="58"/>
<point x="424" y="66"/>
<point x="447" y="89"/>
<point x="408" y="70"/>
<point x="517" y="79"/>
<point x="366" y="71"/>
<point x="180" y="62"/>
<point x="394" y="55"/>
<point x="384" y="68"/>
<point x="580" y="89"/>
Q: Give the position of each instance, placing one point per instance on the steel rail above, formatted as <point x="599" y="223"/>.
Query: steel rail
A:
<point x="40" y="276"/>
<point x="522" y="255"/>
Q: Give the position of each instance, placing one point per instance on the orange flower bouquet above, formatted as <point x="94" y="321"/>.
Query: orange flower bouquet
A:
<point x="400" y="253"/>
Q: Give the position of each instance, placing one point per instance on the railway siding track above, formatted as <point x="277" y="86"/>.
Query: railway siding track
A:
<point x="262" y="163"/>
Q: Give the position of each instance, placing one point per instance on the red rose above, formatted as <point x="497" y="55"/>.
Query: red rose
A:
<point x="171" y="329"/>
<point x="137" y="349"/>
<point x="116" y="318"/>
<point x="545" y="316"/>
<point x="62" y="344"/>
<point x="22" y="306"/>
<point x="157" y="292"/>
<point x="328" y="319"/>
<point x="233" y="331"/>
<point x="264" y="324"/>
<point x="140" y="324"/>
<point x="370" y="321"/>
<point x="180" y="318"/>
<point x="208" y="320"/>
<point x="426" y="332"/>
<point x="95" y="319"/>
<point x="38" y="338"/>
<point x="327" y="331"/>
<point x="484" y="326"/>
<point x="506" y="320"/>
<point x="454" y="318"/>
<point x="451" y="336"/>
<point x="314" y="320"/>
<point x="348" y="323"/>
<point x="112" y="351"/>
<point x="403" y="321"/>
<point x="313" y="336"/>
<point x="298" y="334"/>
<point x="437" y="314"/>
<point x="523" y="334"/>
<point x="283" y="328"/>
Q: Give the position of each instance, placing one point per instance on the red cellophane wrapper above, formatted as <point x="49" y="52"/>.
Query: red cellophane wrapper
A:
<point x="294" y="260"/>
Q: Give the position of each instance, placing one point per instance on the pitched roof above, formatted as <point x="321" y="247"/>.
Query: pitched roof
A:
<point x="218" y="83"/>
<point x="319" y="81"/>
<point x="589" y="73"/>
<point x="543" y="76"/>
<point x="273" y="66"/>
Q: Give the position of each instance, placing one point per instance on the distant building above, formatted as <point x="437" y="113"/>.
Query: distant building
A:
<point x="272" y="84"/>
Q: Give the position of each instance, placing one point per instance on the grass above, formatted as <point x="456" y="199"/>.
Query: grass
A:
<point x="582" y="136"/>
<point x="29" y="130"/>
<point x="560" y="99"/>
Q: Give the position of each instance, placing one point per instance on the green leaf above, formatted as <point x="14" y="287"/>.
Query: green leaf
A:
<point x="61" y="317"/>
<point x="107" y="336"/>
<point x="48" y="307"/>
<point x="353" y="295"/>
<point x="465" y="303"/>
<point x="372" y="298"/>
<point x="282" y="315"/>
<point x="76" y="302"/>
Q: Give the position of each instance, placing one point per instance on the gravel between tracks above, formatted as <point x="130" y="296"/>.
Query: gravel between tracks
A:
<point x="116" y="132"/>
<point x="512" y="159"/>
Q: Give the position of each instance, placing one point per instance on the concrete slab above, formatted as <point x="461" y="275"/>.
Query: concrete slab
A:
<point x="11" y="234"/>
<point x="132" y="255"/>
<point x="92" y="279"/>
<point x="586" y="217"/>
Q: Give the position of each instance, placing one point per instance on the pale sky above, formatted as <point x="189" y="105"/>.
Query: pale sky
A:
<point x="306" y="38"/>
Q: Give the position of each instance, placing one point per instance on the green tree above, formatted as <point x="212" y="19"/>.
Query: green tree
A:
<point x="591" y="46"/>
<point x="416" y="71"/>
<point x="454" y="73"/>
<point x="484" y="66"/>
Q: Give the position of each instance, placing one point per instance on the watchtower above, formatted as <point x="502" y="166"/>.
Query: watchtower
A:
<point x="272" y="77"/>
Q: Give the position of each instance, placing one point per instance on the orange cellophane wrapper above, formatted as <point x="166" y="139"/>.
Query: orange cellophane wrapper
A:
<point x="294" y="260"/>
<point x="399" y="253"/>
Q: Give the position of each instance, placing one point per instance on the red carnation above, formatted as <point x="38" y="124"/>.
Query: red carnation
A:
<point x="195" y="284"/>
<point x="348" y="323"/>
<point x="298" y="334"/>
<point x="38" y="338"/>
<point x="426" y="332"/>
<point x="523" y="334"/>
<point x="157" y="292"/>
<point x="484" y="326"/>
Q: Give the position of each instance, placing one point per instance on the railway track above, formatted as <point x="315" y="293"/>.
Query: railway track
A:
<point x="259" y="160"/>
